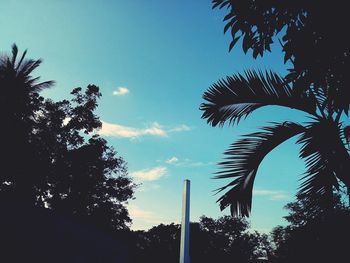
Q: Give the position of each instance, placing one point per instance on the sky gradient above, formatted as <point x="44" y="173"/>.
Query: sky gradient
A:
<point x="152" y="61"/>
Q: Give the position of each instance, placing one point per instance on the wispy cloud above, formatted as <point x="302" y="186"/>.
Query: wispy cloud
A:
<point x="121" y="91"/>
<point x="121" y="131"/>
<point x="144" y="215"/>
<point x="272" y="194"/>
<point x="172" y="160"/>
<point x="196" y="164"/>
<point x="116" y="130"/>
<point x="148" y="187"/>
<point x="144" y="218"/>
<point x="180" y="128"/>
<point x="186" y="162"/>
<point x="150" y="174"/>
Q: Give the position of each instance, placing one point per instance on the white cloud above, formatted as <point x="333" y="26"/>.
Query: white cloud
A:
<point x="121" y="91"/>
<point x="180" y="128"/>
<point x="148" y="187"/>
<point x="145" y="219"/>
<point x="116" y="130"/>
<point x="172" y="160"/>
<point x="140" y="214"/>
<point x="154" y="129"/>
<point x="272" y="194"/>
<point x="187" y="162"/>
<point x="151" y="174"/>
<point x="198" y="164"/>
<point x="136" y="212"/>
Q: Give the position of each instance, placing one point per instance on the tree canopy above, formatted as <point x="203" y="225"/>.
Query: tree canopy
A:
<point x="311" y="236"/>
<point x="51" y="153"/>
<point x="316" y="84"/>
<point x="312" y="37"/>
<point x="223" y="239"/>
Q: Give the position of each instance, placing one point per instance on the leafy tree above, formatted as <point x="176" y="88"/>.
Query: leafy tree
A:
<point x="221" y="240"/>
<point x="312" y="38"/>
<point x="310" y="236"/>
<point x="88" y="180"/>
<point x="302" y="212"/>
<point x="159" y="244"/>
<point x="229" y="239"/>
<point x="315" y="85"/>
<point x="53" y="157"/>
<point x="164" y="243"/>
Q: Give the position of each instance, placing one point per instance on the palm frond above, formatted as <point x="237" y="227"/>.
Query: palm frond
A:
<point x="14" y="53"/>
<point x="242" y="162"/>
<point x="238" y="96"/>
<point x="21" y="60"/>
<point x="21" y="71"/>
<point x="28" y="66"/>
<point x="42" y="85"/>
<point x="326" y="160"/>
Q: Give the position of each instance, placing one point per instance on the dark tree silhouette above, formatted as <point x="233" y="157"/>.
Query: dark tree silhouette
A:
<point x="52" y="156"/>
<point x="19" y="100"/>
<point x="312" y="37"/>
<point x="229" y="239"/>
<point x="316" y="85"/>
<point x="35" y="234"/>
<point x="310" y="236"/>
<point x="88" y="179"/>
<point x="221" y="240"/>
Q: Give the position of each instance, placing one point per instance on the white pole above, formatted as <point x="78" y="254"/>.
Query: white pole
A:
<point x="185" y="224"/>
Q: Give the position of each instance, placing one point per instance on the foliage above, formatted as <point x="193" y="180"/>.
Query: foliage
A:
<point x="242" y="162"/>
<point x="52" y="156"/>
<point x="312" y="38"/>
<point x="238" y="96"/>
<point x="221" y="240"/>
<point x="315" y="85"/>
<point x="159" y="244"/>
<point x="229" y="238"/>
<point x="312" y="236"/>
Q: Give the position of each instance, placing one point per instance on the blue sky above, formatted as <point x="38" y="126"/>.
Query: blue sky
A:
<point x="153" y="60"/>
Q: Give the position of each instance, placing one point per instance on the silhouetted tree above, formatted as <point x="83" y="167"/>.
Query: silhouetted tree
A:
<point x="222" y="240"/>
<point x="312" y="37"/>
<point x="159" y="244"/>
<point x="19" y="100"/>
<point x="52" y="155"/>
<point x="229" y="239"/>
<point x="302" y="211"/>
<point x="310" y="236"/>
<point x="316" y="85"/>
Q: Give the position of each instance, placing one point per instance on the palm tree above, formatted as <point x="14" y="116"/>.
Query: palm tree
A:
<point x="322" y="139"/>
<point x="17" y="84"/>
<point x="19" y="104"/>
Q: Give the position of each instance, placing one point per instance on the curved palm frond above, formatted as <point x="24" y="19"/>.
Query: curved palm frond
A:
<point x="242" y="162"/>
<point x="326" y="160"/>
<point x="238" y="96"/>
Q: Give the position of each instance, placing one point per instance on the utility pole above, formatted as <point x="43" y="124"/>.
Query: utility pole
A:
<point x="185" y="224"/>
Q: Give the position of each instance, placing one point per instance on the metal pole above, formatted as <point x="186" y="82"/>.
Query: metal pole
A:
<point x="185" y="224"/>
